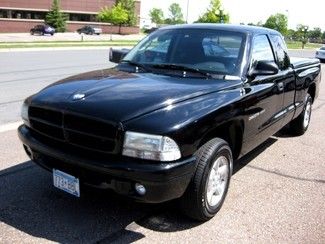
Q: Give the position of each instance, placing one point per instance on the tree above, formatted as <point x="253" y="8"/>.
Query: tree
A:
<point x="129" y="6"/>
<point x="291" y="34"/>
<point x="277" y="22"/>
<point x="175" y="14"/>
<point x="214" y="14"/>
<point x="157" y="16"/>
<point x="56" y="18"/>
<point x="315" y="34"/>
<point x="116" y="15"/>
<point x="302" y="34"/>
<point x="323" y="35"/>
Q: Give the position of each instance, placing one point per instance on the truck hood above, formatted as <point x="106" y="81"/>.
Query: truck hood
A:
<point x="118" y="96"/>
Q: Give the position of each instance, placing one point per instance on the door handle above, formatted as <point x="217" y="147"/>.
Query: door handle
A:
<point x="280" y="86"/>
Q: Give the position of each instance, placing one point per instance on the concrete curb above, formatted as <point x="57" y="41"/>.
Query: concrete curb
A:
<point x="303" y="50"/>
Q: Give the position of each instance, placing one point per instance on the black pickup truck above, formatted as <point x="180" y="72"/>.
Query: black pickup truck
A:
<point x="171" y="118"/>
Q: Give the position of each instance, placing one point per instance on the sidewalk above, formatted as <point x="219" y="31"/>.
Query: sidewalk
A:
<point x="40" y="49"/>
<point x="69" y="36"/>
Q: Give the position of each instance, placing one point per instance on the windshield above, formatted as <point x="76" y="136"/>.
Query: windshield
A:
<point x="213" y="51"/>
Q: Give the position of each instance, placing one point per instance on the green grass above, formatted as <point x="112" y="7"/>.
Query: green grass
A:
<point x="297" y="45"/>
<point x="4" y="45"/>
<point x="93" y="43"/>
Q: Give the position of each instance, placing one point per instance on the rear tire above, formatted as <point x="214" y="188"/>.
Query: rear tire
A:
<point x="209" y="186"/>
<point x="300" y="124"/>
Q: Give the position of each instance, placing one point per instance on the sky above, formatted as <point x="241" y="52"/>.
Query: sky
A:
<point x="308" y="12"/>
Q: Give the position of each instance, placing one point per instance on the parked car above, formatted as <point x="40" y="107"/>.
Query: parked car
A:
<point x="169" y="121"/>
<point x="150" y="30"/>
<point x="320" y="54"/>
<point x="42" y="30"/>
<point x="90" y="30"/>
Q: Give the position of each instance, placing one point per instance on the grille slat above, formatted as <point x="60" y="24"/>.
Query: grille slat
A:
<point x="52" y="116"/>
<point x="45" y="129"/>
<point x="74" y="129"/>
<point x="87" y="134"/>
<point x="45" y="122"/>
<point x="89" y="126"/>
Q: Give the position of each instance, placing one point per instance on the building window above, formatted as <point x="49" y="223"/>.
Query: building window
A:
<point x="24" y="14"/>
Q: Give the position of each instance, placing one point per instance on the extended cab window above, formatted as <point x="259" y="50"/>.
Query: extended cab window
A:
<point x="281" y="52"/>
<point x="262" y="50"/>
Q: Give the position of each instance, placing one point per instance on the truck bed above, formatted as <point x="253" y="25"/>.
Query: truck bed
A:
<point x="297" y="63"/>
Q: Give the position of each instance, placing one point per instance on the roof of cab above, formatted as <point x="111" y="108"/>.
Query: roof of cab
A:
<point x="226" y="27"/>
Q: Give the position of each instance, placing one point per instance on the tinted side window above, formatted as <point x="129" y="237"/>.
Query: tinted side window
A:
<point x="261" y="49"/>
<point x="281" y="52"/>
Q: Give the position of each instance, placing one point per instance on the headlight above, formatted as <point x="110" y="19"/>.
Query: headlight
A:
<point x="24" y="113"/>
<point x="151" y="147"/>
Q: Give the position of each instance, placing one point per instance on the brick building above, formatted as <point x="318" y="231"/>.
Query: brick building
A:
<point x="22" y="15"/>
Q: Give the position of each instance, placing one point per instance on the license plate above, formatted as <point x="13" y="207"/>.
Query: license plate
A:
<point x="66" y="182"/>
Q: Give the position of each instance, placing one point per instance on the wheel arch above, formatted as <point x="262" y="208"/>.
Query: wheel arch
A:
<point x="231" y="132"/>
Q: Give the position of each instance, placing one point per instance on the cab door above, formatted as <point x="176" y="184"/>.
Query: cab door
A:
<point x="289" y="79"/>
<point x="264" y="98"/>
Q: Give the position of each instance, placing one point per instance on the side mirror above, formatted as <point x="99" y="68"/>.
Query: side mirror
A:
<point x="116" y="55"/>
<point x="263" y="67"/>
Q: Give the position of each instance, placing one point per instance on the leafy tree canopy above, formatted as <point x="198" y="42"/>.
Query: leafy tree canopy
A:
<point x="277" y="22"/>
<point x="214" y="14"/>
<point x="116" y="15"/>
<point x="156" y="16"/>
<point x="175" y="14"/>
<point x="316" y="33"/>
<point x="129" y="6"/>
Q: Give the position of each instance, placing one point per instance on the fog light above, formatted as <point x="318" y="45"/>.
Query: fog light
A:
<point x="141" y="190"/>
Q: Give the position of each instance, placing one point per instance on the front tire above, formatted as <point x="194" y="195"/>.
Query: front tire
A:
<point x="209" y="186"/>
<point x="300" y="124"/>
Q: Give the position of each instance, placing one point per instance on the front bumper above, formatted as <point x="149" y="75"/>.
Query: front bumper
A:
<point x="163" y="181"/>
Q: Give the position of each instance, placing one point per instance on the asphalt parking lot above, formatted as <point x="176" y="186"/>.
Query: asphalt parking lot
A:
<point x="277" y="193"/>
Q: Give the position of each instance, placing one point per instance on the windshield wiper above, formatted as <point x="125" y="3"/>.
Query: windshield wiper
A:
<point x="183" y="68"/>
<point x="137" y="66"/>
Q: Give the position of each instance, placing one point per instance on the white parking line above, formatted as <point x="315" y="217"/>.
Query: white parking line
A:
<point x="10" y="126"/>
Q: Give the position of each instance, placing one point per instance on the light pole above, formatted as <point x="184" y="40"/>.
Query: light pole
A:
<point x="188" y="4"/>
<point x="287" y="11"/>
<point x="221" y="16"/>
<point x="304" y="41"/>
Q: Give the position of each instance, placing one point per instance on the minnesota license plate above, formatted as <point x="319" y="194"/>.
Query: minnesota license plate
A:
<point x="66" y="182"/>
